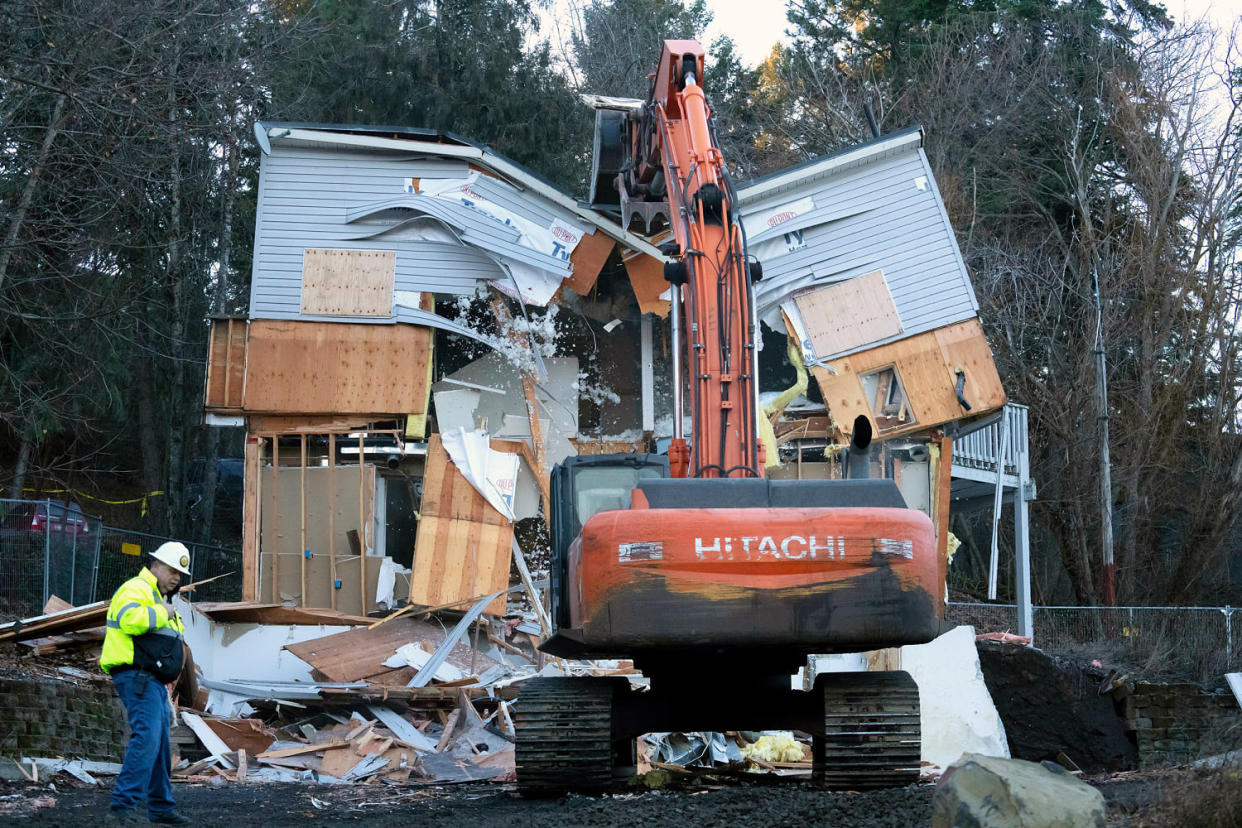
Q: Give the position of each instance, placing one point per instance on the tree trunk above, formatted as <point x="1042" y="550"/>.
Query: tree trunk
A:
<point x="148" y="439"/>
<point x="179" y="417"/>
<point x="207" y="506"/>
<point x="19" y="472"/>
<point x="59" y="115"/>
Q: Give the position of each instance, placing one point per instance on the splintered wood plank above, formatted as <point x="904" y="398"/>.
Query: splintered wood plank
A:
<point x="360" y="654"/>
<point x="849" y="314"/>
<point x="348" y="282"/>
<point x="647" y="279"/>
<point x="300" y="749"/>
<point x="588" y="259"/>
<point x="334" y="369"/>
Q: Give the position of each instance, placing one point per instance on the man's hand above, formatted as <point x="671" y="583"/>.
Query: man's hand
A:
<point x="168" y="607"/>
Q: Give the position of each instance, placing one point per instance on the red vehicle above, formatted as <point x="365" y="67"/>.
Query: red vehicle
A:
<point x="37" y="517"/>
<point x="717" y="582"/>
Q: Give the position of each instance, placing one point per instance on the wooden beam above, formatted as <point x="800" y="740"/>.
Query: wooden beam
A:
<point x="944" y="483"/>
<point x="302" y="534"/>
<point x="276" y="519"/>
<point x="250" y="518"/>
<point x="362" y="530"/>
<point x="332" y="518"/>
<point x="536" y="433"/>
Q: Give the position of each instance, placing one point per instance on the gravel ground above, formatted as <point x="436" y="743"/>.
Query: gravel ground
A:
<point x="481" y="805"/>
<point x="1135" y="800"/>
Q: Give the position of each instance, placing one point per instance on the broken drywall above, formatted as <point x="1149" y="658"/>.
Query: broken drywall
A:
<point x="495" y="392"/>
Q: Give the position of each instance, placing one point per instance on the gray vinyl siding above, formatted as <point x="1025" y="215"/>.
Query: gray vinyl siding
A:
<point x="307" y="196"/>
<point x="868" y="217"/>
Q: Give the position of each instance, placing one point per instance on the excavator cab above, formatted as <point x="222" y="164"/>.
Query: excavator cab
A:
<point x="582" y="487"/>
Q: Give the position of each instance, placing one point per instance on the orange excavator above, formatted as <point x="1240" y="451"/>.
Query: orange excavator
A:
<point x="716" y="581"/>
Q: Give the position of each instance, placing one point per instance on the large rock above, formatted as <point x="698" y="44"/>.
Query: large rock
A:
<point x="988" y="792"/>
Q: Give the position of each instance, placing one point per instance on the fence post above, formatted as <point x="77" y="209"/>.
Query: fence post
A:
<point x="99" y="527"/>
<point x="1228" y="634"/>
<point x="73" y="565"/>
<point x="47" y="552"/>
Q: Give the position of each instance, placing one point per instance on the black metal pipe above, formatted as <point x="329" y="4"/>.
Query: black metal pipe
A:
<point x="858" y="455"/>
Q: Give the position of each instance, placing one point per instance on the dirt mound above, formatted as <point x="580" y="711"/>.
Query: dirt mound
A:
<point x="1050" y="707"/>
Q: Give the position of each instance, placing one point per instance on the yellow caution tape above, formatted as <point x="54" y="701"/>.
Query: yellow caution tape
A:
<point x="85" y="496"/>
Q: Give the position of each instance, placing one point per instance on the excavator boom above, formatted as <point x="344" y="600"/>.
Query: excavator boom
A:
<point x="673" y="155"/>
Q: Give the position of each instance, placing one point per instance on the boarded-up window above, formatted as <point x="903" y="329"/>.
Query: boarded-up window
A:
<point x="348" y="282"/>
<point x="849" y="314"/>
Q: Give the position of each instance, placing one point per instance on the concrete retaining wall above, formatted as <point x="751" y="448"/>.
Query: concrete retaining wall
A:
<point x="1179" y="723"/>
<point x="60" y="718"/>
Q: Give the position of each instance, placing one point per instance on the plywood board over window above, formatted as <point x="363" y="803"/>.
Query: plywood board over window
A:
<point x="348" y="282"/>
<point x="464" y="545"/>
<point x="850" y="314"/>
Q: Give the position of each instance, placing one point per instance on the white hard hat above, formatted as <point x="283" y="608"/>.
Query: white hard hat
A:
<point x="174" y="554"/>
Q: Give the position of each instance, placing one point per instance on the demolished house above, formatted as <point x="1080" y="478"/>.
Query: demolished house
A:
<point x="433" y="327"/>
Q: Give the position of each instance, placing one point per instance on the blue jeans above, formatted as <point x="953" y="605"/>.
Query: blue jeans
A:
<point x="148" y="757"/>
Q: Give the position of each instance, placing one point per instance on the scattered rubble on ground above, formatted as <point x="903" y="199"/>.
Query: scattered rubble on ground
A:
<point x="422" y="696"/>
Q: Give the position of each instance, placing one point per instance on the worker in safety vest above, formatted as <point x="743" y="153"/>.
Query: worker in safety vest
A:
<point x="142" y="651"/>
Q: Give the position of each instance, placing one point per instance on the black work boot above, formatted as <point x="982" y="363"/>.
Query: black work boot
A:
<point x="172" y="818"/>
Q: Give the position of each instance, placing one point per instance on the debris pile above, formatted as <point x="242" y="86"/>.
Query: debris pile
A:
<point x="289" y="694"/>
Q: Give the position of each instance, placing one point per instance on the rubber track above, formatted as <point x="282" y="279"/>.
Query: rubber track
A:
<point x="563" y="729"/>
<point x="872" y="735"/>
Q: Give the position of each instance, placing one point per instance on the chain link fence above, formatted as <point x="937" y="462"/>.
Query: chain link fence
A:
<point x="1198" y="641"/>
<point x="50" y="547"/>
<point x="123" y="554"/>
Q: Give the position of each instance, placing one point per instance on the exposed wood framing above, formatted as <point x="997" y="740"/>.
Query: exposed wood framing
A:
<point x="275" y="592"/>
<point x="362" y="524"/>
<point x="328" y="513"/>
<point x="944" y="479"/>
<point x="332" y="520"/>
<point x="540" y="466"/>
<point x="302" y="532"/>
<point x="313" y="424"/>
<point x="250" y="518"/>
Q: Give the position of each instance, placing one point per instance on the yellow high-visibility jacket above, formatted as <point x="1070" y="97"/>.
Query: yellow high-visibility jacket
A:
<point x="136" y="608"/>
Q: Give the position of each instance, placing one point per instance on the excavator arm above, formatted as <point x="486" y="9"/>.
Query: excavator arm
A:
<point x="671" y="156"/>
